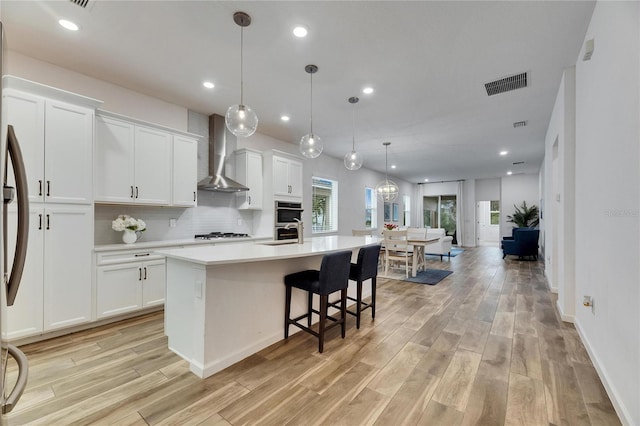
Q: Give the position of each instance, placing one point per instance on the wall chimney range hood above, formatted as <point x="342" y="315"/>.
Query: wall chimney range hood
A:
<point x="217" y="181"/>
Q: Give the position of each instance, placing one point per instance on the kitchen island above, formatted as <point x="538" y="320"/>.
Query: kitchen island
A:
<point x="224" y="303"/>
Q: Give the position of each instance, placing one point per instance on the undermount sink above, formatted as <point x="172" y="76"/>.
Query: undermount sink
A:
<point x="277" y="242"/>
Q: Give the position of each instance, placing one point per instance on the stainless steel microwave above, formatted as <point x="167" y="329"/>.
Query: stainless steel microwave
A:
<point x="287" y="212"/>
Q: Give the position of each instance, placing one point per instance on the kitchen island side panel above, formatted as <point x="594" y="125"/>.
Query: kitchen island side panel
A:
<point x="241" y="310"/>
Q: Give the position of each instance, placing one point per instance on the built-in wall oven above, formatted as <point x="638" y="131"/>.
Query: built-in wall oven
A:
<point x="286" y="212"/>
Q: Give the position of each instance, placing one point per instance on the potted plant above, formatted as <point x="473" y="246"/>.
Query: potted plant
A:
<point x="525" y="216"/>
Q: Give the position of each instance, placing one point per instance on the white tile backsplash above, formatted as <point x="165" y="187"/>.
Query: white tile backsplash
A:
<point x="215" y="212"/>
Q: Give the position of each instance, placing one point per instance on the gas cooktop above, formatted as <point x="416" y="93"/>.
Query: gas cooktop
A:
<point x="213" y="235"/>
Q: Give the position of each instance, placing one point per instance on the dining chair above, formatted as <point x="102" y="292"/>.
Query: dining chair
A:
<point x="396" y="247"/>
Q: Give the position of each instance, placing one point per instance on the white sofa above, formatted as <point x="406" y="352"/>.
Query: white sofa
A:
<point x="442" y="246"/>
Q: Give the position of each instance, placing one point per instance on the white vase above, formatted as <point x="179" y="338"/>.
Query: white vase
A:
<point x="129" y="237"/>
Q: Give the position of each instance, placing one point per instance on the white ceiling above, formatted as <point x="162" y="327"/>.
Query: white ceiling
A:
<point x="427" y="61"/>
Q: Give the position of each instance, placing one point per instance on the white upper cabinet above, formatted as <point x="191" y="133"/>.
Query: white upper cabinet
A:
<point x="152" y="158"/>
<point x="114" y="161"/>
<point x="143" y="164"/>
<point x="185" y="171"/>
<point x="249" y="173"/>
<point x="56" y="139"/>
<point x="287" y="177"/>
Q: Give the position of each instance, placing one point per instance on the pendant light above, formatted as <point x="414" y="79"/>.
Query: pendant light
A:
<point x="240" y="119"/>
<point x="353" y="159"/>
<point x="387" y="190"/>
<point x="311" y="144"/>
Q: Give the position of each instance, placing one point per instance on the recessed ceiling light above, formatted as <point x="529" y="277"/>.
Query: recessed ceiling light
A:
<point x="393" y="166"/>
<point x="504" y="152"/>
<point x="285" y="118"/>
<point x="367" y="90"/>
<point x="426" y="180"/>
<point x="208" y="85"/>
<point x="68" y="25"/>
<point x="300" y="31"/>
<point x="509" y="173"/>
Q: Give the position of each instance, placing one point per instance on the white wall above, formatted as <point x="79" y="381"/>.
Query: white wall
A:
<point x="559" y="197"/>
<point x="116" y="98"/>
<point x="607" y="201"/>
<point x="488" y="189"/>
<point x="514" y="190"/>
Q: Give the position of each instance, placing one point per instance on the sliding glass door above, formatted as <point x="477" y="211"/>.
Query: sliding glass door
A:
<point x="440" y="212"/>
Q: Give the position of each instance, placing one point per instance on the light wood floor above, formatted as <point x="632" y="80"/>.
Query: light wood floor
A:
<point x="483" y="347"/>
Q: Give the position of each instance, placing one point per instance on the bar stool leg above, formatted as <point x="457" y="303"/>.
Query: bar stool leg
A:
<point x="324" y="299"/>
<point x="287" y="311"/>
<point x="343" y="311"/>
<point x="309" y="307"/>
<point x="358" y="304"/>
<point x="373" y="298"/>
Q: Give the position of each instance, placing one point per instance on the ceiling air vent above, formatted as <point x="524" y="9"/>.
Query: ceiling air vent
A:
<point x="519" y="124"/>
<point x="507" y="84"/>
<point x="81" y="3"/>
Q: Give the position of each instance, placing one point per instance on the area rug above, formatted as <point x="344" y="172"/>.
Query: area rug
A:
<point x="454" y="252"/>
<point x="429" y="276"/>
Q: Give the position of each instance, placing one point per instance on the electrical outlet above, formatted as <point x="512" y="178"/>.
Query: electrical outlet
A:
<point x="198" y="289"/>
<point x="172" y="223"/>
<point x="239" y="222"/>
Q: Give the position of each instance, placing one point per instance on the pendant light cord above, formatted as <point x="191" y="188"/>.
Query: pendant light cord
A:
<point x="311" y="106"/>
<point x="241" y="66"/>
<point x="353" y="146"/>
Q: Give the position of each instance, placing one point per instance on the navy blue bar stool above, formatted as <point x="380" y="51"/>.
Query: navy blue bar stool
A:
<point x="365" y="269"/>
<point x="333" y="276"/>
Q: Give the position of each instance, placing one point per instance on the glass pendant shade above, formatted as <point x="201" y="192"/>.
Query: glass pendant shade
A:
<point x="241" y="120"/>
<point x="311" y="146"/>
<point x="353" y="160"/>
<point x="387" y="190"/>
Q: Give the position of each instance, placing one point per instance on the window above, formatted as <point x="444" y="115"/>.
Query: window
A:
<point x="370" y="208"/>
<point x="406" y="202"/>
<point x="324" y="205"/>
<point x="495" y="212"/>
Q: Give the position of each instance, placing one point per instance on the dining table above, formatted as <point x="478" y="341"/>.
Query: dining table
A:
<point x="419" y="261"/>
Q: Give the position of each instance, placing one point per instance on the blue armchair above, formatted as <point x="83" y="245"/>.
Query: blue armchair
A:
<point x="523" y="242"/>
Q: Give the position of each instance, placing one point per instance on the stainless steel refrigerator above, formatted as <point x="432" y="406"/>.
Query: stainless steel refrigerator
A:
<point x="14" y="190"/>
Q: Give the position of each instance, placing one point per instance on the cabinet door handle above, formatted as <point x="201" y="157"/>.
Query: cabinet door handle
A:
<point x="48" y="222"/>
<point x="194" y="196"/>
<point x="141" y="254"/>
<point x="40" y="187"/>
<point x="145" y="272"/>
<point x="249" y="197"/>
<point x="136" y="192"/>
<point x="131" y="191"/>
<point x="139" y="274"/>
<point x="48" y="188"/>
<point x="40" y="220"/>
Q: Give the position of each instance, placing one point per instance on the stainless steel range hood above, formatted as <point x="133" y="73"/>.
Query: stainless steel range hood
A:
<point x="217" y="181"/>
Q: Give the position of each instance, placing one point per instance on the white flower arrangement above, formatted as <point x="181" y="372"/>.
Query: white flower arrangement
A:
<point x="124" y="222"/>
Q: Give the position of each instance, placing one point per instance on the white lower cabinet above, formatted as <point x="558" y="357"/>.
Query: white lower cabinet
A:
<point x="55" y="289"/>
<point x="125" y="283"/>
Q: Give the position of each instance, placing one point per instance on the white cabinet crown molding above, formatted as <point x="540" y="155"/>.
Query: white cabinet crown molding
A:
<point x="110" y="114"/>
<point x="23" y="85"/>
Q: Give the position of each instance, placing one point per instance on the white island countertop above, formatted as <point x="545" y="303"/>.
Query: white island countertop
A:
<point x="258" y="251"/>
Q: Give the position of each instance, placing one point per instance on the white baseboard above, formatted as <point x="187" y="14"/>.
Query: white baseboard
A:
<point x="563" y="316"/>
<point x="621" y="411"/>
